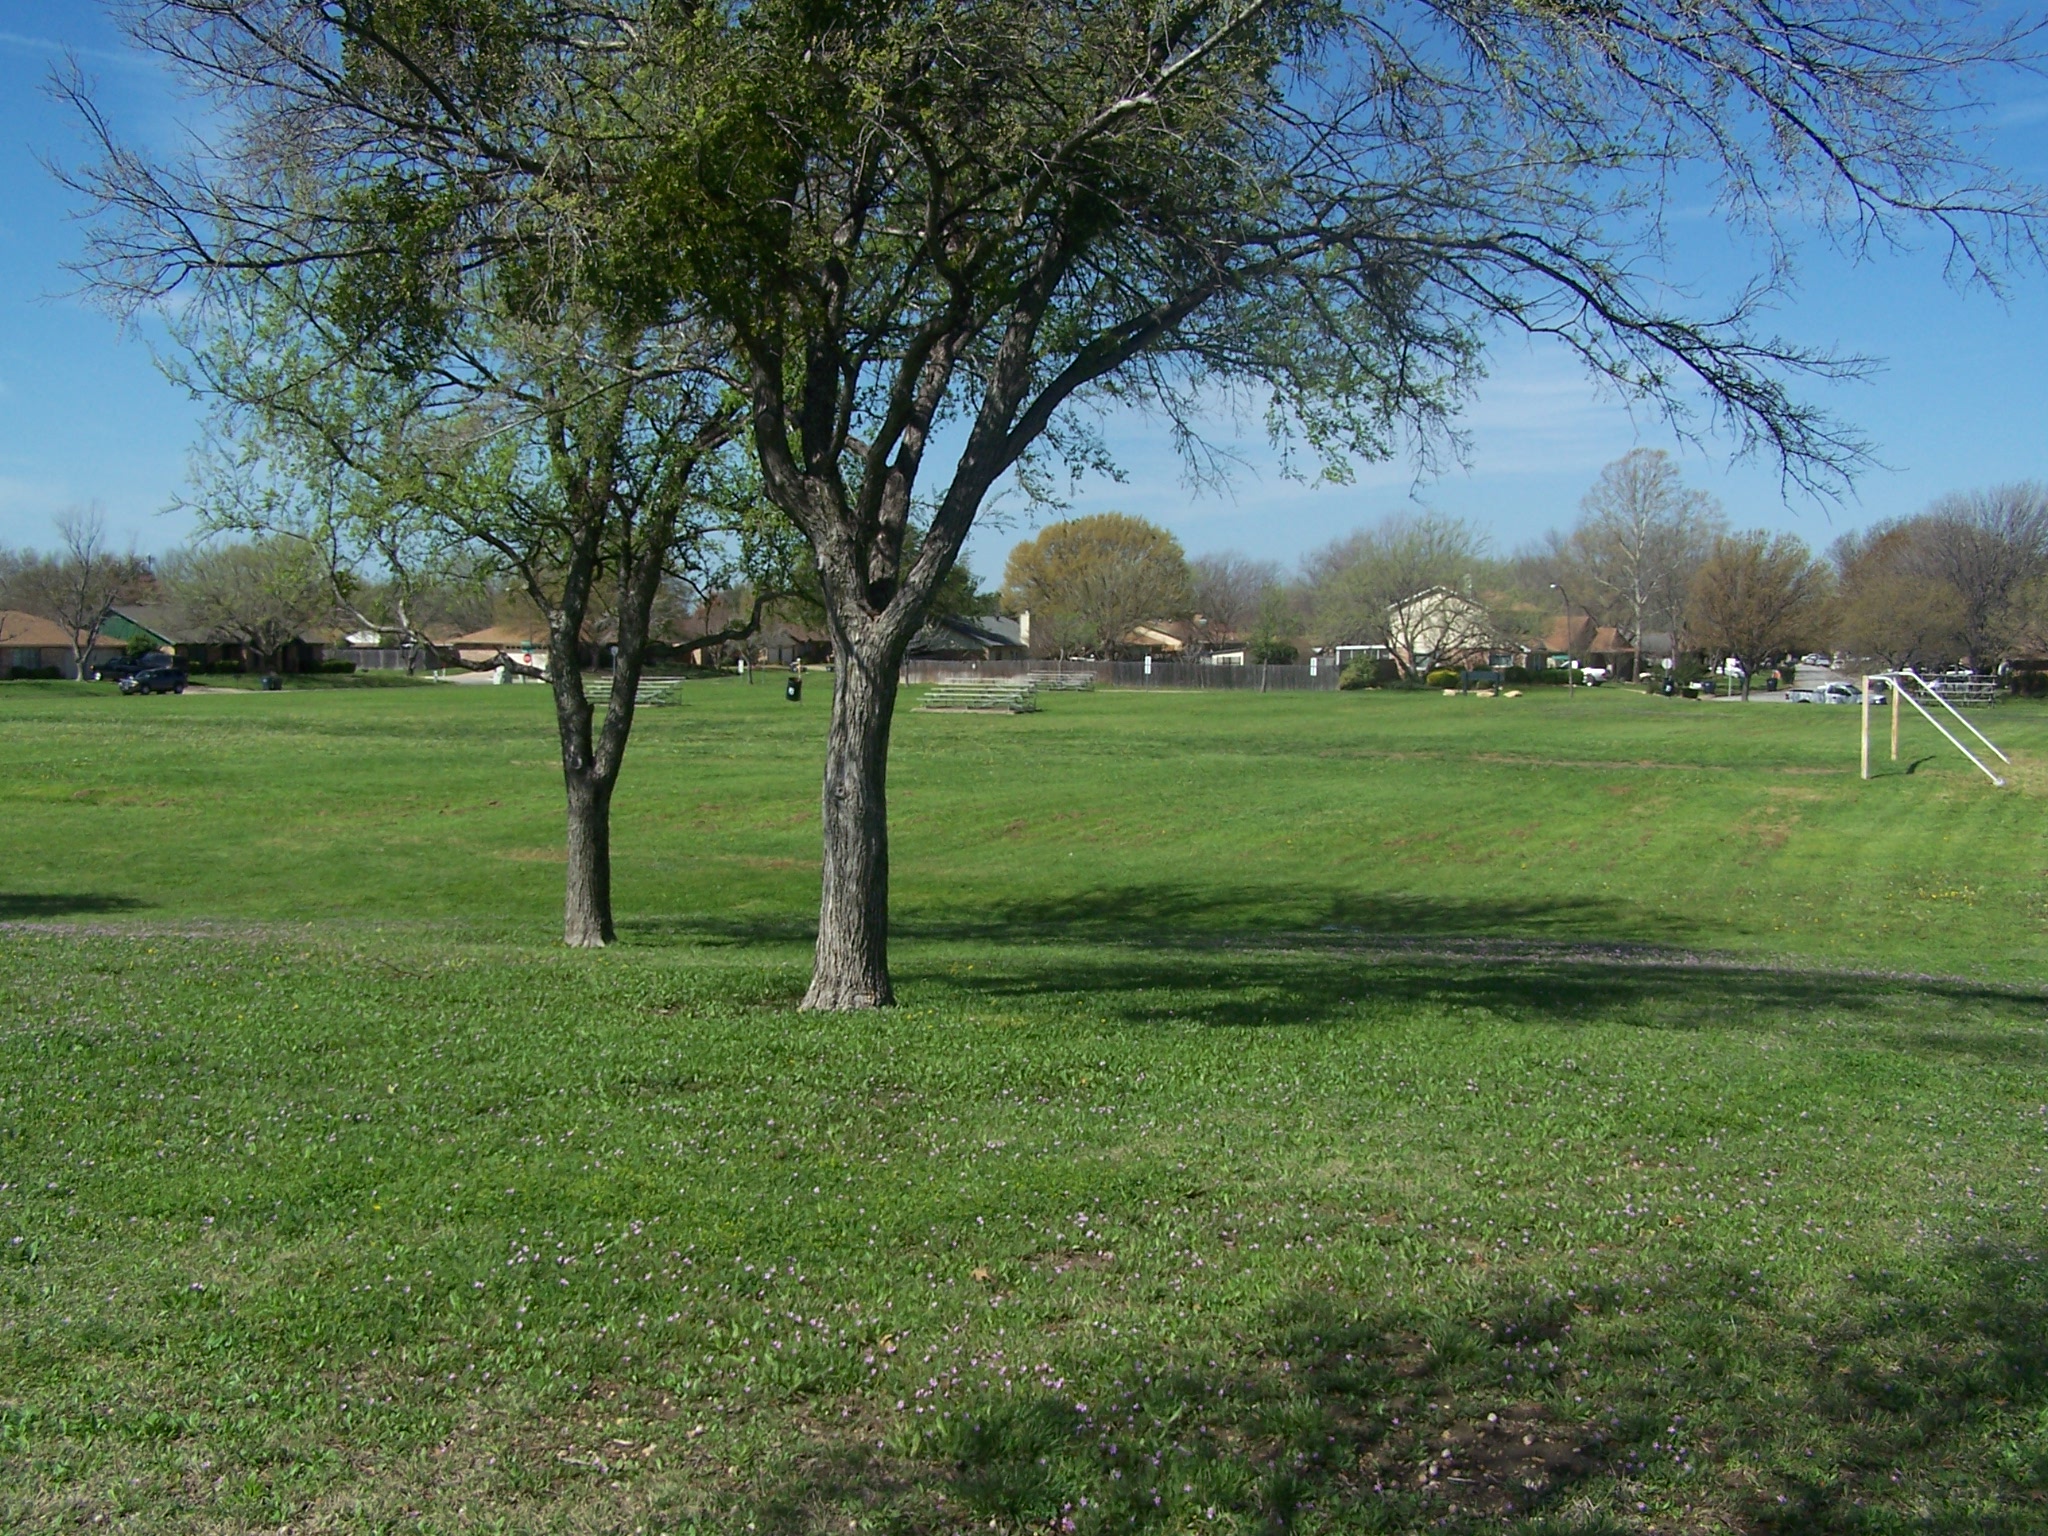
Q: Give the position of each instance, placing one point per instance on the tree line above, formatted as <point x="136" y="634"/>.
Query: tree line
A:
<point x="262" y="592"/>
<point x="1655" y="562"/>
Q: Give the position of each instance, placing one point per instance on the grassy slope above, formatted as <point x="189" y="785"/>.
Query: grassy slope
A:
<point x="1175" y="1197"/>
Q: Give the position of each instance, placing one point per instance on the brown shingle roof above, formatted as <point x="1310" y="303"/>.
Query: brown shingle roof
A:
<point x="29" y="629"/>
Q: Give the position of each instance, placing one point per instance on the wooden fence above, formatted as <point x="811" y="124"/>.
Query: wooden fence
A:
<point x="1133" y="674"/>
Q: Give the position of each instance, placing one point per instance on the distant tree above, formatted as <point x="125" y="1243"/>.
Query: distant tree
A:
<point x="260" y="594"/>
<point x="77" y="586"/>
<point x="1230" y="590"/>
<point x="1990" y="549"/>
<point x="1269" y="644"/>
<point x="1641" y="534"/>
<point x="1088" y="582"/>
<point x="1363" y="589"/>
<point x="1757" y="597"/>
<point x="1889" y="603"/>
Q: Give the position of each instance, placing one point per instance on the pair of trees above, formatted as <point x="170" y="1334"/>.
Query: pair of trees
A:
<point x="910" y="239"/>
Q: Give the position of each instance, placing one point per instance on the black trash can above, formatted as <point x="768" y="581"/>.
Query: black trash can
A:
<point x="272" y="682"/>
<point x="793" y="690"/>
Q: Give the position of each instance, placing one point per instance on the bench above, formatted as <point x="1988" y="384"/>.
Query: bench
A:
<point x="1064" y="682"/>
<point x="1015" y="696"/>
<point x="652" y="690"/>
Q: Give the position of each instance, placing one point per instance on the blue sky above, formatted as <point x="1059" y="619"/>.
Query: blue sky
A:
<point x="1962" y="399"/>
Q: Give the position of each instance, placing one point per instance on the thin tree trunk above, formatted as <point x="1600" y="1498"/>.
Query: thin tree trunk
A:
<point x="587" y="902"/>
<point x="852" y="969"/>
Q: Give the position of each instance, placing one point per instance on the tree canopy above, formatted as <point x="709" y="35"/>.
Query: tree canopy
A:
<point x="1089" y="582"/>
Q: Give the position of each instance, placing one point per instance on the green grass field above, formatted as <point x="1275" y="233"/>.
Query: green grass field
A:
<point x="1307" y="1112"/>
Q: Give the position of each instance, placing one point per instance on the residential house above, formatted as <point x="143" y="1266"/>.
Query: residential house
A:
<point x="1589" y="643"/>
<point x="1441" y="627"/>
<point x="984" y="637"/>
<point x="30" y="643"/>
<point x="164" y="628"/>
<point x="523" y="645"/>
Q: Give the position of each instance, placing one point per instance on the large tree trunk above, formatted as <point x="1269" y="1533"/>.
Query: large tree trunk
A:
<point x="587" y="902"/>
<point x="853" y="911"/>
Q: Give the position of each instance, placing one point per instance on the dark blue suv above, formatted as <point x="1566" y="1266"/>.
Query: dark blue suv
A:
<point x="164" y="679"/>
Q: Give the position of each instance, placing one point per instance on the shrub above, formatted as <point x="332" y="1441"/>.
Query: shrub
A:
<point x="1444" y="677"/>
<point x="1368" y="672"/>
<point x="339" y="667"/>
<point x="33" y="674"/>
<point x="2028" y="685"/>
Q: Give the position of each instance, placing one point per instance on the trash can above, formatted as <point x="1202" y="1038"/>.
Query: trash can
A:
<point x="793" y="690"/>
<point x="272" y="682"/>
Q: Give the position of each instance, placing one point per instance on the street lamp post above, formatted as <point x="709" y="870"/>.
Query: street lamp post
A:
<point x="1558" y="588"/>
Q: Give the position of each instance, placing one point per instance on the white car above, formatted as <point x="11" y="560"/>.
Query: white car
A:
<point x="1595" y="676"/>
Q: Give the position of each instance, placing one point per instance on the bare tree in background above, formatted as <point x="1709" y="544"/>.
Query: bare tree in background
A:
<point x="78" y="586"/>
<point x="1640" y="537"/>
<point x="1367" y="588"/>
<point x="1990" y="548"/>
<point x="1757" y="597"/>
<point x="1230" y="589"/>
<point x="260" y="594"/>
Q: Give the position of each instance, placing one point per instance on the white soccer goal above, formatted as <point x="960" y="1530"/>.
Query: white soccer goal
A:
<point x="1908" y="687"/>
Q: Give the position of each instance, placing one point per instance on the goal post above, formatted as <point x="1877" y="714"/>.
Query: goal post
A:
<point x="1897" y="682"/>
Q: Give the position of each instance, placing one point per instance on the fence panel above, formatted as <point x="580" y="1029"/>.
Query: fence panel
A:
<point x="376" y="659"/>
<point x="1132" y="674"/>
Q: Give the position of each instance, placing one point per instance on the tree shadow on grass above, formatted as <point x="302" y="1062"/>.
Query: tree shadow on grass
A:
<point x="26" y="906"/>
<point x="1332" y="984"/>
<point x="1185" y="913"/>
<point x="1917" y="1403"/>
<point x="1920" y="1403"/>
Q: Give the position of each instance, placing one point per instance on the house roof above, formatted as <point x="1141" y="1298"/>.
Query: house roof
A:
<point x="952" y="632"/>
<point x="162" y="622"/>
<point x="1585" y="636"/>
<point x="31" y="629"/>
<point x="504" y="637"/>
<point x="1175" y="633"/>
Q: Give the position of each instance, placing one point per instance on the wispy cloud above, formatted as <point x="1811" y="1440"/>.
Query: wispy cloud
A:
<point x="21" y="42"/>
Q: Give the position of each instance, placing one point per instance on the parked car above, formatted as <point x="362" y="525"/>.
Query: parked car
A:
<point x="1594" y="676"/>
<point x="1837" y="693"/>
<point x="155" y="680"/>
<point x="127" y="666"/>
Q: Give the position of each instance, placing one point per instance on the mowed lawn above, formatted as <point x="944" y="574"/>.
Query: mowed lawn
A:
<point x="1306" y="1112"/>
